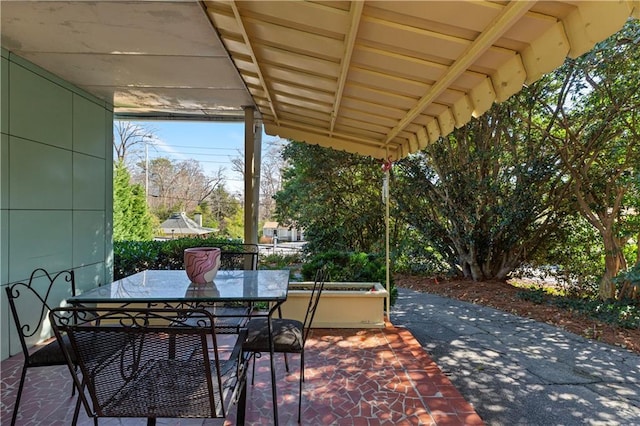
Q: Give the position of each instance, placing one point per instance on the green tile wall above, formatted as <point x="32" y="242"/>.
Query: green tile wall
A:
<point x="40" y="176"/>
<point x="39" y="109"/>
<point x="88" y="182"/>
<point x="55" y="182"/>
<point x="4" y="95"/>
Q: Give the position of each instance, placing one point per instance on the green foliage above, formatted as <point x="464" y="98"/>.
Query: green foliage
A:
<point x="131" y="217"/>
<point x="223" y="211"/>
<point x="592" y="115"/>
<point x="349" y="267"/>
<point x="280" y="261"/>
<point x="412" y="255"/>
<point x="630" y="278"/>
<point x="575" y="260"/>
<point x="334" y="196"/>
<point x="487" y="195"/>
<point x="535" y="295"/>
<point x="135" y="256"/>
<point x="233" y="226"/>
<point x="292" y="262"/>
<point x="623" y="313"/>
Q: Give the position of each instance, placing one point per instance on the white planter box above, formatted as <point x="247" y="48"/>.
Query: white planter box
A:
<point x="342" y="304"/>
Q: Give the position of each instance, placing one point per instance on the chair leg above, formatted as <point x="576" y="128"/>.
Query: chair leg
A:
<point x="18" y="396"/>
<point x="253" y="369"/>
<point x="76" y="411"/>
<point x="301" y="380"/>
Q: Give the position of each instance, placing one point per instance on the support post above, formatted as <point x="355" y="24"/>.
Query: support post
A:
<point x="250" y="161"/>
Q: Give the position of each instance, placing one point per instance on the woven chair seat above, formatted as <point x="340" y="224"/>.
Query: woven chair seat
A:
<point x="287" y="335"/>
<point x="50" y="354"/>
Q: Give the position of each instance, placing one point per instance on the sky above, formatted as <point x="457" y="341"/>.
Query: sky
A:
<point x="213" y="144"/>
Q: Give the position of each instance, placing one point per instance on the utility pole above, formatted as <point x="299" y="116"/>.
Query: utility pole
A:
<point x="146" y="170"/>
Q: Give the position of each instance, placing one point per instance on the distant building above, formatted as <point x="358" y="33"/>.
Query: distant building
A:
<point x="180" y="225"/>
<point x="284" y="233"/>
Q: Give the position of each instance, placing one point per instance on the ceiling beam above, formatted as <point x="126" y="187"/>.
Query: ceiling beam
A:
<point x="247" y="41"/>
<point x="355" y="13"/>
<point x="509" y="15"/>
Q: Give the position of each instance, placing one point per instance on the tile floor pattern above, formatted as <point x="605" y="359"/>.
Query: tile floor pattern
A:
<point x="353" y="377"/>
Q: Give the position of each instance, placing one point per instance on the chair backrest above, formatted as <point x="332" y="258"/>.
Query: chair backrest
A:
<point x="31" y="301"/>
<point x="148" y="362"/>
<point x="318" y="286"/>
<point x="239" y="256"/>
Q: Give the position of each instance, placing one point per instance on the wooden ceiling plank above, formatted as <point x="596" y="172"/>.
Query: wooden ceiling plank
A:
<point x="509" y="15"/>
<point x="378" y="80"/>
<point x="295" y="40"/>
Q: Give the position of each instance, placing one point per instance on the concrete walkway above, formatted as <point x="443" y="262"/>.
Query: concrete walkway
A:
<point x="516" y="371"/>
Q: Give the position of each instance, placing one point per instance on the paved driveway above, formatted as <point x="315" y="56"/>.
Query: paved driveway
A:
<point x="516" y="371"/>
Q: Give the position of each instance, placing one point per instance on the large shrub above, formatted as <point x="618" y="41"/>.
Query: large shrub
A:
<point x="135" y="256"/>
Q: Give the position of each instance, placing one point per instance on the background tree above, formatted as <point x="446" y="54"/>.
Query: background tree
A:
<point x="223" y="207"/>
<point x="488" y="195"/>
<point x="131" y="218"/>
<point x="334" y="196"/>
<point x="179" y="185"/>
<point x="270" y="175"/>
<point x="130" y="137"/>
<point x="592" y="115"/>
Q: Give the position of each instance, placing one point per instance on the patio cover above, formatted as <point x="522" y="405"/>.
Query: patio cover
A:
<point x="378" y="78"/>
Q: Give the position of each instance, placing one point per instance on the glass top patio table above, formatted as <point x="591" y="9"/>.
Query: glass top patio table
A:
<point x="175" y="286"/>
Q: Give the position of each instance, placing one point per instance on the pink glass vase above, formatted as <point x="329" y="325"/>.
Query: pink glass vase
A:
<point x="202" y="264"/>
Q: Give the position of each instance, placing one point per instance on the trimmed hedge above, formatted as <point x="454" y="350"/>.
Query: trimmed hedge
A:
<point x="135" y="256"/>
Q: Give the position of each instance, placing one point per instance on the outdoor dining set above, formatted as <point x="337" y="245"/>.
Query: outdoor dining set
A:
<point x="157" y="345"/>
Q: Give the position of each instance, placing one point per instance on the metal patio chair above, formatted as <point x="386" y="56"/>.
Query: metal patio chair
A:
<point x="150" y="362"/>
<point x="30" y="303"/>
<point x="284" y="335"/>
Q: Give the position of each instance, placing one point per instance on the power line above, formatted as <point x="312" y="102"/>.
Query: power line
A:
<point x="199" y="147"/>
<point x="196" y="153"/>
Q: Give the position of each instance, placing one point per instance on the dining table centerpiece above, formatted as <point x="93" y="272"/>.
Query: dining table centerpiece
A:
<point x="202" y="263"/>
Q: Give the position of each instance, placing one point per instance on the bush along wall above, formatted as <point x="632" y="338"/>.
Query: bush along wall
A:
<point x="135" y="256"/>
<point x="349" y="267"/>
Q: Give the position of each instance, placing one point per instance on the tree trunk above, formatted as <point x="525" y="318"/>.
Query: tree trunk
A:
<point x="613" y="261"/>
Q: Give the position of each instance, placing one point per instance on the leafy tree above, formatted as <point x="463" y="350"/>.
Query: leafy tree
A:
<point x="593" y="118"/>
<point x="334" y="196"/>
<point x="223" y="207"/>
<point x="233" y="226"/>
<point x="131" y="218"/>
<point x="488" y="195"/>
<point x="572" y="259"/>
